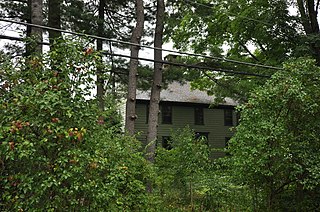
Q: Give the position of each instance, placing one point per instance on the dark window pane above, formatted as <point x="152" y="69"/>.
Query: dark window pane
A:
<point x="166" y="114"/>
<point x="147" y="114"/>
<point x="228" y="118"/>
<point x="238" y="117"/>
<point x="166" y="142"/>
<point x="198" y="116"/>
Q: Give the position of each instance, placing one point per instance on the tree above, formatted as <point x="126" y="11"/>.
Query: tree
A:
<point x="100" y="80"/>
<point x="132" y="84"/>
<point x="156" y="84"/>
<point x="55" y="151"/>
<point x="274" y="148"/>
<point x="262" y="32"/>
<point x="308" y="10"/>
<point x="182" y="170"/>
<point x="36" y="17"/>
<point x="54" y="19"/>
<point x="19" y="10"/>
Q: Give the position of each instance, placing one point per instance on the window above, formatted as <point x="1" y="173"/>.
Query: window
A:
<point x="166" y="112"/>
<point x="198" y="116"/>
<point x="228" y="118"/>
<point x="238" y="118"/>
<point x="147" y="113"/>
<point x="166" y="142"/>
<point x="202" y="136"/>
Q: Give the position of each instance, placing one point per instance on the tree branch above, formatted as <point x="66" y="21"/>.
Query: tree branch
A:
<point x="313" y="17"/>
<point x="304" y="18"/>
<point x="222" y="85"/>
<point x="247" y="50"/>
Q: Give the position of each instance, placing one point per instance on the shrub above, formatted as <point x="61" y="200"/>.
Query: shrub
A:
<point x="180" y="168"/>
<point x="57" y="150"/>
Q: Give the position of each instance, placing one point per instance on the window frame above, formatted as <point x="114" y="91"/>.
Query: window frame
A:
<point x="166" y="115"/>
<point x="147" y="113"/>
<point x="228" y="117"/>
<point x="198" y="115"/>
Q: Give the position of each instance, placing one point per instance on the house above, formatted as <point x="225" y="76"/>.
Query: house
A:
<point x="180" y="106"/>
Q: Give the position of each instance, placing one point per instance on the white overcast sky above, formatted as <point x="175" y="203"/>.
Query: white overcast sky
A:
<point x="144" y="52"/>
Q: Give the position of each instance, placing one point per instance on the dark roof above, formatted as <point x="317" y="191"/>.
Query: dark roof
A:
<point x="177" y="92"/>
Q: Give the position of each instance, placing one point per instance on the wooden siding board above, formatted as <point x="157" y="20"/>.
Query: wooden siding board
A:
<point x="183" y="116"/>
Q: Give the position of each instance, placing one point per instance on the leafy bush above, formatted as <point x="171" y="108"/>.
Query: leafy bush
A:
<point x="57" y="150"/>
<point x="275" y="147"/>
<point x="181" y="168"/>
<point x="188" y="180"/>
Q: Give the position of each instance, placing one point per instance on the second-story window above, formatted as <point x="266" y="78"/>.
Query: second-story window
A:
<point x="198" y="116"/>
<point x="166" y="111"/>
<point x="147" y="113"/>
<point x="228" y="117"/>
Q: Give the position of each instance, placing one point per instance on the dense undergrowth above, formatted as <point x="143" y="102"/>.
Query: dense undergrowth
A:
<point x="59" y="152"/>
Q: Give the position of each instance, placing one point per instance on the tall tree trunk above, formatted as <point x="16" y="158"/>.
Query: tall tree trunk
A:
<point x="100" y="80"/>
<point x="28" y="31"/>
<point x="156" y="85"/>
<point x="132" y="84"/>
<point x="54" y="19"/>
<point x="308" y="10"/>
<point x="36" y="17"/>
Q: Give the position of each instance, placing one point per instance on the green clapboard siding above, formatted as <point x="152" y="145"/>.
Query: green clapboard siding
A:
<point x="183" y="115"/>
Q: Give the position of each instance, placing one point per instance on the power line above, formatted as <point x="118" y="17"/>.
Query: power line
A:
<point x="189" y="65"/>
<point x="144" y="46"/>
<point x="160" y="61"/>
<point x="6" y="37"/>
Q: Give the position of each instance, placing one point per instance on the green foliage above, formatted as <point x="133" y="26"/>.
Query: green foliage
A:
<point x="57" y="150"/>
<point x="81" y="16"/>
<point x="257" y="31"/>
<point x="275" y="147"/>
<point x="180" y="168"/>
<point x="214" y="25"/>
<point x="188" y="179"/>
<point x="220" y="192"/>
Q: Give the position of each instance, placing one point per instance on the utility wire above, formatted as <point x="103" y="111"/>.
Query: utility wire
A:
<point x="144" y="46"/>
<point x="111" y="54"/>
<point x="6" y="37"/>
<point x="189" y="65"/>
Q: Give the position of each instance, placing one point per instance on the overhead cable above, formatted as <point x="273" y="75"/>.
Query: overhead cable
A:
<point x="6" y="37"/>
<point x="144" y="46"/>
<point x="189" y="65"/>
<point x="159" y="61"/>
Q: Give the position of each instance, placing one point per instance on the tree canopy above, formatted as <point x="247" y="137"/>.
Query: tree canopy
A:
<point x="258" y="31"/>
<point x="61" y="148"/>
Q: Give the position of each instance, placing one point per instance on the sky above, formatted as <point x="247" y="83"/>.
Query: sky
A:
<point x="144" y="52"/>
<point x="148" y="53"/>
